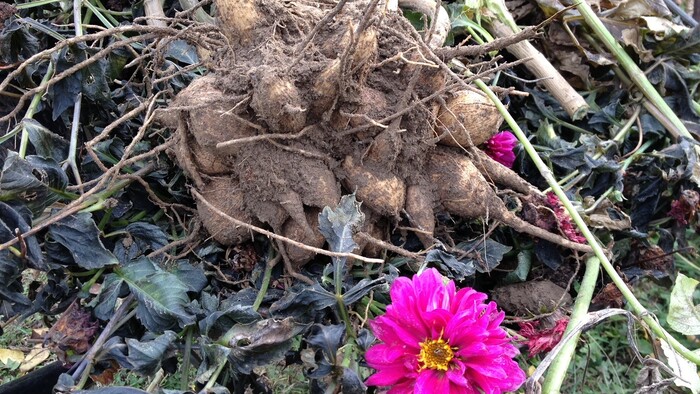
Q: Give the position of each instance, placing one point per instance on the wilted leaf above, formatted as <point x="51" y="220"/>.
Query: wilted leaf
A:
<point x="8" y="356"/>
<point x="162" y="297"/>
<point x="340" y="224"/>
<point x="261" y="343"/>
<point x="47" y="144"/>
<point x="17" y="43"/>
<point x="79" y="235"/>
<point x="32" y="181"/>
<point x="145" y="357"/>
<point x="72" y="333"/>
<point x="685" y="370"/>
<point x="302" y="300"/>
<point x="683" y="314"/>
<point x="35" y="357"/>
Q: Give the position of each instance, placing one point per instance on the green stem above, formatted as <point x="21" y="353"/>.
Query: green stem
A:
<point x="86" y="287"/>
<point x="215" y="375"/>
<point x="266" y="280"/>
<point x="24" y="141"/>
<point x="338" y="265"/>
<point x="634" y="72"/>
<point x="633" y="302"/>
<point x="560" y="365"/>
<point x="185" y="371"/>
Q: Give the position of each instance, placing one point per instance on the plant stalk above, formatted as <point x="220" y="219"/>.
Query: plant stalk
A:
<point x="560" y="365"/>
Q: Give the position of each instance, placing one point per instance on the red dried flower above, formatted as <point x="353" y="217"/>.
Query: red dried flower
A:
<point x="564" y="220"/>
<point x="685" y="207"/>
<point x="542" y="341"/>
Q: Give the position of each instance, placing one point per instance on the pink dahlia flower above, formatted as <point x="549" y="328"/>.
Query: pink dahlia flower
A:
<point x="500" y="148"/>
<point x="436" y="339"/>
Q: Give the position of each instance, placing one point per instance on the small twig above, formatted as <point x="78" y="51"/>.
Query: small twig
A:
<point x="389" y="247"/>
<point x="246" y="140"/>
<point x="192" y="235"/>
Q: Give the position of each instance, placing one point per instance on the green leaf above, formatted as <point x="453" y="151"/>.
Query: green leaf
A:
<point x="683" y="315"/>
<point x="161" y="296"/>
<point x="340" y="224"/>
<point x="79" y="235"/>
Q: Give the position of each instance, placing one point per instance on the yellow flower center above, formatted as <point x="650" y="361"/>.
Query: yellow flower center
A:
<point x="435" y="354"/>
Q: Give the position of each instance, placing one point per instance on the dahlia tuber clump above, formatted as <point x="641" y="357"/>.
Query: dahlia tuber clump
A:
<point x="312" y="101"/>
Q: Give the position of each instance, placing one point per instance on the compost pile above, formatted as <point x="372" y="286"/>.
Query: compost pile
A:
<point x="303" y="108"/>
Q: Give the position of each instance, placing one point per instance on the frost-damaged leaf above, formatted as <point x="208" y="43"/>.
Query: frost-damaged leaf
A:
<point x="490" y="253"/>
<point x="303" y="300"/>
<point x="352" y="383"/>
<point x="91" y="81"/>
<point x="327" y="340"/>
<point x="685" y="370"/>
<point x="361" y="289"/>
<point x="683" y="315"/>
<point x="340" y="224"/>
<point x="221" y="317"/>
<point x="162" y="297"/>
<point x="145" y="356"/>
<point x="47" y="144"/>
<point x="213" y="356"/>
<point x="106" y="301"/>
<point x="261" y="343"/>
<point x="17" y="43"/>
<point x="80" y="236"/>
<point x="140" y="239"/>
<point x="33" y="181"/>
<point x="192" y="276"/>
<point x="12" y="218"/>
<point x="459" y="269"/>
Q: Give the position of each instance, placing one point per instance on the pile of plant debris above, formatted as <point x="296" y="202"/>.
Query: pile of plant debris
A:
<point x="227" y="201"/>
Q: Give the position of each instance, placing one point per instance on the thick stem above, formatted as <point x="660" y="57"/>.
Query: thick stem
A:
<point x="560" y="365"/>
<point x="550" y="78"/>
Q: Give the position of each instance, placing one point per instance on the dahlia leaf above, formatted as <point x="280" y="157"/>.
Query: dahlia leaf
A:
<point x="685" y="370"/>
<point x="340" y="224"/>
<point x="683" y="314"/>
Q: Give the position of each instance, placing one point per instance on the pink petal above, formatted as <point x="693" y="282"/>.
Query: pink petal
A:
<point x="430" y="381"/>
